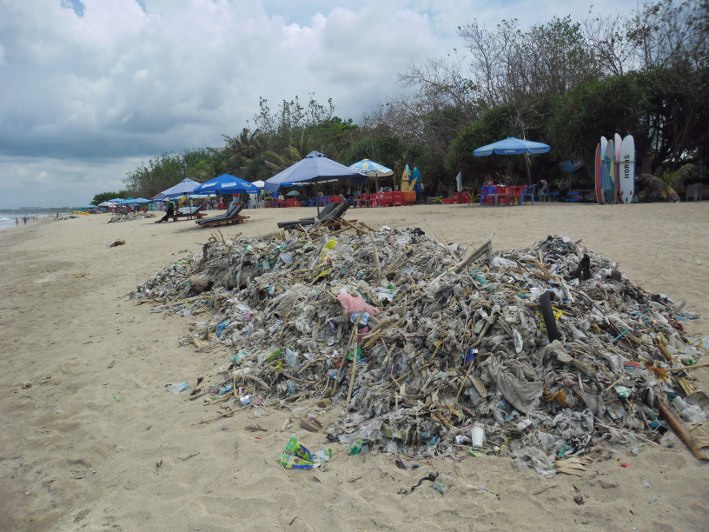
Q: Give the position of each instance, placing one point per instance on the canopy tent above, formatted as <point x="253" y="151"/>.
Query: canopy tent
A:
<point x="226" y="184"/>
<point x="511" y="146"/>
<point x="184" y="187"/>
<point x="314" y="168"/>
<point x="258" y="183"/>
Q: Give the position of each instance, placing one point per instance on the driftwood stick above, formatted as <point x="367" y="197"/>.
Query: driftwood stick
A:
<point x="687" y="368"/>
<point x="678" y="428"/>
<point x="354" y="358"/>
<point x="462" y="384"/>
<point x="484" y="249"/>
<point x="376" y="256"/>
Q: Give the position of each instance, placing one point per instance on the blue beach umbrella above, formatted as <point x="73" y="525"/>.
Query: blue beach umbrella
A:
<point x="511" y="146"/>
<point x="136" y="201"/>
<point x="370" y="169"/>
<point x="226" y="184"/>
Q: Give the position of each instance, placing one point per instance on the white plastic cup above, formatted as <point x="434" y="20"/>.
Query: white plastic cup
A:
<point x="477" y="434"/>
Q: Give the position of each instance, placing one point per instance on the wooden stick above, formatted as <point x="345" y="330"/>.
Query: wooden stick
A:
<point x="376" y="256"/>
<point x="462" y="384"/>
<point x="686" y="368"/>
<point x="482" y="250"/>
<point x="354" y="359"/>
<point x="678" y="427"/>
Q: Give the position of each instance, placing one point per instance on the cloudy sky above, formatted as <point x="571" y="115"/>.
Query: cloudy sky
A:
<point x="90" y="89"/>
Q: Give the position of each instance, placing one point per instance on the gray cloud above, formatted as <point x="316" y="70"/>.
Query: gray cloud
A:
<point x="91" y="88"/>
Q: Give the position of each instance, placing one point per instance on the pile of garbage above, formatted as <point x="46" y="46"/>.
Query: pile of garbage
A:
<point x="129" y="217"/>
<point x="550" y="351"/>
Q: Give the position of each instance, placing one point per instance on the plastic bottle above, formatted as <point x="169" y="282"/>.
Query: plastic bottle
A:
<point x="356" y="447"/>
<point x="477" y="434"/>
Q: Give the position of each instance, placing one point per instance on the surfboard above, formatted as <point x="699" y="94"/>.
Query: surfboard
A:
<point x="604" y="145"/>
<point x="627" y="169"/>
<point x="609" y="173"/>
<point x="597" y="175"/>
<point x="617" y="141"/>
<point x="406" y="179"/>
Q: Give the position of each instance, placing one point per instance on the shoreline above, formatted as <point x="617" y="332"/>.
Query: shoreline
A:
<point x="88" y="418"/>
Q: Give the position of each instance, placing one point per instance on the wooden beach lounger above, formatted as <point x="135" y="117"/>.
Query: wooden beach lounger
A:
<point x="331" y="218"/>
<point x="188" y="213"/>
<point x="231" y="217"/>
<point x="326" y="210"/>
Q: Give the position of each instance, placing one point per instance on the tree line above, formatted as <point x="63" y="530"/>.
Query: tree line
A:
<point x="565" y="83"/>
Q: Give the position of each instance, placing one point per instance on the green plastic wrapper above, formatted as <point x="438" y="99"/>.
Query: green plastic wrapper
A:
<point x="297" y="456"/>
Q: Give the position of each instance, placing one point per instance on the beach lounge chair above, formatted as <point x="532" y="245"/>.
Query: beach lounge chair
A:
<point x="326" y="210"/>
<point x="332" y="218"/>
<point x="230" y="217"/>
<point x="188" y="213"/>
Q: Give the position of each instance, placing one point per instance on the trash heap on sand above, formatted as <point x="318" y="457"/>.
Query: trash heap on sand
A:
<point x="130" y="216"/>
<point x="550" y="348"/>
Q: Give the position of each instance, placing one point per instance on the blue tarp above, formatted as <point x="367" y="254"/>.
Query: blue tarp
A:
<point x="226" y="184"/>
<point x="511" y="146"/>
<point x="314" y="168"/>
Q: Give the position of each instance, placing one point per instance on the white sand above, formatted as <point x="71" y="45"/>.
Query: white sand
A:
<point x="86" y="417"/>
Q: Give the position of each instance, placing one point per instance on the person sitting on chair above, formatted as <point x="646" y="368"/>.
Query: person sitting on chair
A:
<point x="168" y="214"/>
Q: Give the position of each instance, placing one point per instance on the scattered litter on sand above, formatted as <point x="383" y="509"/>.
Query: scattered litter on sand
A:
<point x="548" y="352"/>
<point x="131" y="216"/>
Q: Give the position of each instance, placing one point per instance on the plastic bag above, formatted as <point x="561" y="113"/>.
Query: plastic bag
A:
<point x="355" y="304"/>
<point x="297" y="456"/>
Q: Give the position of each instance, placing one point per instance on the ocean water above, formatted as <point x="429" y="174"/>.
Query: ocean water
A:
<point x="6" y="221"/>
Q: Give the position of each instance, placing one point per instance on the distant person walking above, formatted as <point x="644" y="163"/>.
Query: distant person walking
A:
<point x="17" y="222"/>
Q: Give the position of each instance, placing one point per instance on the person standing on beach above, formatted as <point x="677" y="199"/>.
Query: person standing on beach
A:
<point x="17" y="222"/>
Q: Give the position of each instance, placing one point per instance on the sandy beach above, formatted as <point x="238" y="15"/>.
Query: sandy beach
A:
<point x="92" y="441"/>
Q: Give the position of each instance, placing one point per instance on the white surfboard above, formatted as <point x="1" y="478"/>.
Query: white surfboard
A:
<point x="609" y="178"/>
<point x="627" y="169"/>
<point x="617" y="140"/>
<point x="604" y="177"/>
